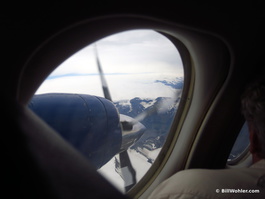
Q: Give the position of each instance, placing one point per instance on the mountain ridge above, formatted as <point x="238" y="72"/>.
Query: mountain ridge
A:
<point x="157" y="124"/>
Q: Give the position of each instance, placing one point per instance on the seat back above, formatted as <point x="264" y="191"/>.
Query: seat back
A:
<point x="40" y="164"/>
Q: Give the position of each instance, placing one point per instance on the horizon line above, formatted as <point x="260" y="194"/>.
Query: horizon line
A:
<point x="94" y="74"/>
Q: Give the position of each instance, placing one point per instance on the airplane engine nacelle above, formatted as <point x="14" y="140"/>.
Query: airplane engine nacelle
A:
<point x="89" y="123"/>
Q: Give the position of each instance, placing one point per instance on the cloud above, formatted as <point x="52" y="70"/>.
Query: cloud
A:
<point x="132" y="61"/>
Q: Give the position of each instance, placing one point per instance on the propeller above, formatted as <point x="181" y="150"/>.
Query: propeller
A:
<point x="127" y="171"/>
<point x="131" y="126"/>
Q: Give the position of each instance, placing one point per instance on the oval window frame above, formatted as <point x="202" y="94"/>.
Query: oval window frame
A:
<point x="43" y="61"/>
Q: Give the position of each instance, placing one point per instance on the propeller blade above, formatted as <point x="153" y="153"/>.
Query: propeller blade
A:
<point x="102" y="77"/>
<point x="128" y="172"/>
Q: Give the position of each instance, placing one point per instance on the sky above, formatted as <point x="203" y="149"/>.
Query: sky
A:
<point x="132" y="61"/>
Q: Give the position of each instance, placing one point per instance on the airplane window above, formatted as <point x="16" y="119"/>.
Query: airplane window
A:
<point x="115" y="101"/>
<point x="241" y="144"/>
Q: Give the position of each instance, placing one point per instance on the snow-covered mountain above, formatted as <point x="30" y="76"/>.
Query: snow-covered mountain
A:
<point x="161" y="114"/>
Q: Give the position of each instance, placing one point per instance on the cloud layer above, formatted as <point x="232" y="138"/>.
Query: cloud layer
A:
<point x="132" y="62"/>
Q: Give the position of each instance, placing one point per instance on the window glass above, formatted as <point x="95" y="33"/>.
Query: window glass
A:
<point x="241" y="143"/>
<point x="142" y="75"/>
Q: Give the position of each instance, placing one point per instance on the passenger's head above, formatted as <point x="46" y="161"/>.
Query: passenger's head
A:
<point x="253" y="108"/>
